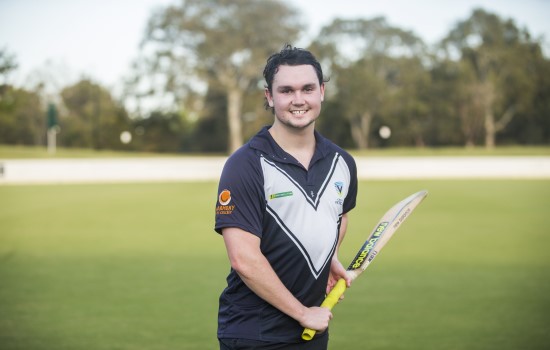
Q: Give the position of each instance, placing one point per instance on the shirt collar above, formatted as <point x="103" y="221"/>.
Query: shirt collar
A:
<point x="264" y="142"/>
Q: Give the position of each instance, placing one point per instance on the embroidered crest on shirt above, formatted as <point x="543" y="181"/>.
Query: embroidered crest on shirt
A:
<point x="339" y="186"/>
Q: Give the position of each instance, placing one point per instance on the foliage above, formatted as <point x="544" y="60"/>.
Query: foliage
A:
<point x="486" y="83"/>
<point x="366" y="59"/>
<point x="217" y="41"/>
<point x="160" y="132"/>
<point x="22" y="118"/>
<point x="8" y="64"/>
<point x="499" y="58"/>
<point x="213" y="124"/>
<point x="92" y="118"/>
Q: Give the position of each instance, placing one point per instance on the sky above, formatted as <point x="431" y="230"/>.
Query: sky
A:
<point x="99" y="39"/>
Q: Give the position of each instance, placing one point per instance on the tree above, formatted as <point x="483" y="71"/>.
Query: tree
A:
<point x="210" y="133"/>
<point x="91" y="118"/>
<point x="22" y="119"/>
<point x="408" y="106"/>
<point x="160" y="132"/>
<point x="8" y="64"/>
<point x="363" y="56"/>
<point x="19" y="109"/>
<point x="202" y="41"/>
<point x="453" y="101"/>
<point x="499" y="56"/>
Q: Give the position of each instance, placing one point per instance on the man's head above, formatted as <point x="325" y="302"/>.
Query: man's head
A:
<point x="290" y="56"/>
<point x="295" y="88"/>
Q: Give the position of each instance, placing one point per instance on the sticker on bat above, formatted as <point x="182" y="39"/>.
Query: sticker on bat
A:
<point x="369" y="245"/>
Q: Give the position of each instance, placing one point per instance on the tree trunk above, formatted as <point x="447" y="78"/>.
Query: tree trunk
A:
<point x="466" y="123"/>
<point x="487" y="93"/>
<point x="360" y="129"/>
<point x="419" y="141"/>
<point x="234" y="111"/>
<point x="490" y="129"/>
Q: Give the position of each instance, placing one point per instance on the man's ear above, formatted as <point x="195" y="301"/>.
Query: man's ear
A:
<point x="322" y="92"/>
<point x="268" y="97"/>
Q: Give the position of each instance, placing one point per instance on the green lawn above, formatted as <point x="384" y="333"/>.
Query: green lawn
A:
<point x="138" y="266"/>
<point x="25" y="152"/>
<point x="41" y="152"/>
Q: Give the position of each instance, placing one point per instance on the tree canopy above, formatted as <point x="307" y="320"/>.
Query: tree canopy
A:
<point x="217" y="41"/>
<point x="487" y="82"/>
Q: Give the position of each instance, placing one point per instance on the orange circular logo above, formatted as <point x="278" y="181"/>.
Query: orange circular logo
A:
<point x="225" y="197"/>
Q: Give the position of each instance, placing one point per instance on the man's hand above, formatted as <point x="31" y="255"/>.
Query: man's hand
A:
<point x="337" y="271"/>
<point x="316" y="318"/>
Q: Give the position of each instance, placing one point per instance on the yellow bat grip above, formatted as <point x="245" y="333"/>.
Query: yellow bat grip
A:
<point x="329" y="302"/>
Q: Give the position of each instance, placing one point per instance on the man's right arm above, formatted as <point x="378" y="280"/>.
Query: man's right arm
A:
<point x="246" y="258"/>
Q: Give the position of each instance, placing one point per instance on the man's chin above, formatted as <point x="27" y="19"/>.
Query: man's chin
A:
<point x="300" y="125"/>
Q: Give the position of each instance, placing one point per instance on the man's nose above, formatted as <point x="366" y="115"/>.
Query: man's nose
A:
<point x="298" y="98"/>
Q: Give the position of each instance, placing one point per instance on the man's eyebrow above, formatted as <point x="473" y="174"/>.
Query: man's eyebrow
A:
<point x="290" y="87"/>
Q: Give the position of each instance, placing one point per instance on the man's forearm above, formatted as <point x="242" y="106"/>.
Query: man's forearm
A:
<point x="243" y="249"/>
<point x="256" y="272"/>
<point x="263" y="281"/>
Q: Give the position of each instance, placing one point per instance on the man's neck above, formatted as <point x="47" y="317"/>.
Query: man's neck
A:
<point x="300" y="143"/>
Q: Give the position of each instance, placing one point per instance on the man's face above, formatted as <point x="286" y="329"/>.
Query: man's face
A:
<point x="296" y="96"/>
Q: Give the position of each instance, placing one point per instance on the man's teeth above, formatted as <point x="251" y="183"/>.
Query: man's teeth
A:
<point x="298" y="112"/>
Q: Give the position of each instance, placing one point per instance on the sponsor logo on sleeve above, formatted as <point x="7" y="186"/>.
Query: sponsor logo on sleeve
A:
<point x="224" y="200"/>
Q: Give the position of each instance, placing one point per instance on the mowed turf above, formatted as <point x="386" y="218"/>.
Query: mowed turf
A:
<point x="138" y="266"/>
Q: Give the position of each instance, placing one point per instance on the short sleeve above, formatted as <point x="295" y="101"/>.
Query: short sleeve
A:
<point x="351" y="198"/>
<point x="241" y="200"/>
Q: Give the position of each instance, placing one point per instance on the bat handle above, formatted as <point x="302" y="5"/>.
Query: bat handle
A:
<point x="329" y="302"/>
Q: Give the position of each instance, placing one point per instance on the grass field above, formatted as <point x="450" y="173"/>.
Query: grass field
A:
<point x="138" y="266"/>
<point x="36" y="152"/>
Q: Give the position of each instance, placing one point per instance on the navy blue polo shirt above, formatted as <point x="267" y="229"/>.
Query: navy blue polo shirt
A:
<point x="296" y="212"/>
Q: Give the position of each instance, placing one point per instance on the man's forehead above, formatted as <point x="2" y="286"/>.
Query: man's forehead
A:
<point x="295" y="75"/>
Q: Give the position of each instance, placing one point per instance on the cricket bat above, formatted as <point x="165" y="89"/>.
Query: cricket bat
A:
<point x="381" y="234"/>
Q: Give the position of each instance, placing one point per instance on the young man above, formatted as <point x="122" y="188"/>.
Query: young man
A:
<point x="282" y="210"/>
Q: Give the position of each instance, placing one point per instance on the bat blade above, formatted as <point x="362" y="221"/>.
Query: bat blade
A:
<point x="381" y="234"/>
<point x="383" y="231"/>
